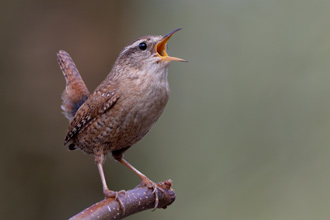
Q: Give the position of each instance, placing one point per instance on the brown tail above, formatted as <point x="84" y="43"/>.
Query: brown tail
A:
<point x="76" y="92"/>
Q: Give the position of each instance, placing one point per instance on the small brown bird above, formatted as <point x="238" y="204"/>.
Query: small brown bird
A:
<point x="123" y="108"/>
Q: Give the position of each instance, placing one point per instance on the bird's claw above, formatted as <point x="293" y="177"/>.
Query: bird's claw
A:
<point x="155" y="188"/>
<point x="112" y="194"/>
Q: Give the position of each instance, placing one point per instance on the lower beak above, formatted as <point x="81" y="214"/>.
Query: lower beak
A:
<point x="161" y="48"/>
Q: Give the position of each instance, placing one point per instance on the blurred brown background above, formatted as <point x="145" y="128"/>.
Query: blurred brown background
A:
<point x="245" y="134"/>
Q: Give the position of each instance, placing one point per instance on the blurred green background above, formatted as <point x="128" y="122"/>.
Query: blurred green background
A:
<point x="245" y="134"/>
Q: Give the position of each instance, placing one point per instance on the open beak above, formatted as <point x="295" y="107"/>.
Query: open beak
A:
<point x="161" y="48"/>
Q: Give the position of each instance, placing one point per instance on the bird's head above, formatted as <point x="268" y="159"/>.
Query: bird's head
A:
<point x="147" y="52"/>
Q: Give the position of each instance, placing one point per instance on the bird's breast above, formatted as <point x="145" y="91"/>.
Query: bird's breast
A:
<point x="141" y="102"/>
<point x="139" y="108"/>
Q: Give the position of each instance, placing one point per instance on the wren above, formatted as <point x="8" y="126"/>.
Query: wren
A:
<point x="123" y="108"/>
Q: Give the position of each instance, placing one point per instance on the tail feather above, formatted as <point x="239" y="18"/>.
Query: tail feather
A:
<point x="76" y="92"/>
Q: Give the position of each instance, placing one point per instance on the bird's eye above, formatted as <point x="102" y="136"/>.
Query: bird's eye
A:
<point x="143" y="46"/>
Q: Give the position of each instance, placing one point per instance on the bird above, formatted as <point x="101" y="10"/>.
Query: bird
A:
<point x="123" y="108"/>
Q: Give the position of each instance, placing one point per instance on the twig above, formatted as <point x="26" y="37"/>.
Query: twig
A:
<point x="135" y="200"/>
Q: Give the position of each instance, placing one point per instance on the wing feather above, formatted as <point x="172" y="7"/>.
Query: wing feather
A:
<point x="96" y="105"/>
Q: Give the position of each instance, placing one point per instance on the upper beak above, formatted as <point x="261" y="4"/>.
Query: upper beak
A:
<point x="161" y="48"/>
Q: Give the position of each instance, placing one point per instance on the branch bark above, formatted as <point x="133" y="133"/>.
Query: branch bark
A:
<point x="135" y="200"/>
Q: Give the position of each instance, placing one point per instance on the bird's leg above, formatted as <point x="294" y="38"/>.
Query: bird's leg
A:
<point x="145" y="180"/>
<point x="99" y="159"/>
<point x="108" y="193"/>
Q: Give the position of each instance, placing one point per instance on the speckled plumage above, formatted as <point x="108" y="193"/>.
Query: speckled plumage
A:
<point x="124" y="107"/>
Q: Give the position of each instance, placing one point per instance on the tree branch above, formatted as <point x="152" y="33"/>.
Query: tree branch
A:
<point x="135" y="200"/>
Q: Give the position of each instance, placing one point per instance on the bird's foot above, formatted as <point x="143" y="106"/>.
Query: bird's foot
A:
<point x="154" y="186"/>
<point x="115" y="195"/>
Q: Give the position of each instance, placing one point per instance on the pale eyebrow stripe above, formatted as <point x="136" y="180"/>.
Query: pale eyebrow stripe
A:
<point x="136" y="43"/>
